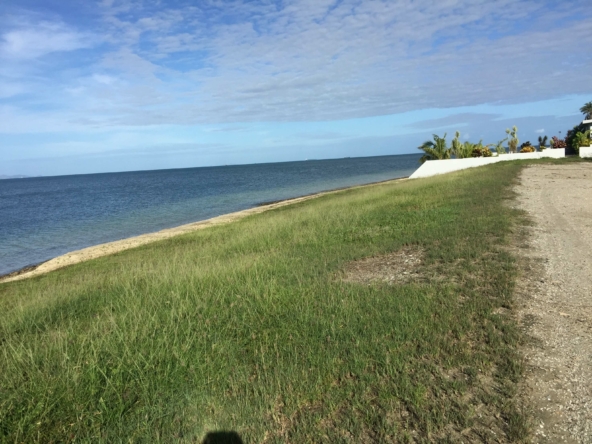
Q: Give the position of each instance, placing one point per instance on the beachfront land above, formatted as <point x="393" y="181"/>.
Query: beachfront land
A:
<point x="263" y="327"/>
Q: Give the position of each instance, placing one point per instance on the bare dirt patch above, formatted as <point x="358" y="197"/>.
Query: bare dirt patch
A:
<point x="555" y="300"/>
<point x="400" y="267"/>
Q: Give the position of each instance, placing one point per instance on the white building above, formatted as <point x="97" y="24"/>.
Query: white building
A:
<point x="585" y="151"/>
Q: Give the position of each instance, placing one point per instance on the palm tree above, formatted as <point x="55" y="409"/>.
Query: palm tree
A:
<point x="587" y="110"/>
<point x="436" y="150"/>
<point x="466" y="150"/>
<point x="455" y="145"/>
<point x="499" y="147"/>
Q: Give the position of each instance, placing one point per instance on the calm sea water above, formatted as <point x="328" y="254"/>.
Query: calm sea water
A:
<point x="41" y="218"/>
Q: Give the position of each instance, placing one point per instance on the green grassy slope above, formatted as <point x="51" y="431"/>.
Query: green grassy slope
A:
<point x="247" y="327"/>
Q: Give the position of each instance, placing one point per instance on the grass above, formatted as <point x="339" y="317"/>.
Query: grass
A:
<point x="247" y="327"/>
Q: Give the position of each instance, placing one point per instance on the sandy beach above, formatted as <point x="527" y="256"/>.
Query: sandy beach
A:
<point x="108" y="248"/>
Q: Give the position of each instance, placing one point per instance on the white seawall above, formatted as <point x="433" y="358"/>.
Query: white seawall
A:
<point x="435" y="167"/>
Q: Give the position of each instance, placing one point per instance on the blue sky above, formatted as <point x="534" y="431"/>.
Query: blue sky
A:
<point x="117" y="85"/>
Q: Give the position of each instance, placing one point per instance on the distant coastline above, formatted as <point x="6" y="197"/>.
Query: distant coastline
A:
<point x="3" y="176"/>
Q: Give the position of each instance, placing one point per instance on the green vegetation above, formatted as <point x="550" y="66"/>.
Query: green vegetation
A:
<point x="579" y="138"/>
<point x="512" y="139"/>
<point x="527" y="147"/>
<point x="248" y="327"/>
<point x="436" y="150"/>
<point x="499" y="147"/>
<point x="481" y="151"/>
<point x="582" y="139"/>
<point x="458" y="149"/>
<point x="467" y="150"/>
<point x="575" y="138"/>
<point x="587" y="111"/>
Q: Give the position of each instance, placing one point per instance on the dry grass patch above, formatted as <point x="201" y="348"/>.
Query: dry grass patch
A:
<point x="400" y="267"/>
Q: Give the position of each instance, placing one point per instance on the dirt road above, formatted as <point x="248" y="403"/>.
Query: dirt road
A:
<point x="555" y="305"/>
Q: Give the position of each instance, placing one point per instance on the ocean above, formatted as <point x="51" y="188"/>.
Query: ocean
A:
<point x="44" y="217"/>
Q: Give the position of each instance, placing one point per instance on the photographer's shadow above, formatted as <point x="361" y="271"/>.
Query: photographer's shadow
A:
<point x="222" y="438"/>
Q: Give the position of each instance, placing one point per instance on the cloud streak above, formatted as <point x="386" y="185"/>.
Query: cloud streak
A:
<point x="304" y="60"/>
<point x="31" y="41"/>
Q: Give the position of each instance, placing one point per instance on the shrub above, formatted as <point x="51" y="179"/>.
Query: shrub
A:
<point x="577" y="137"/>
<point x="481" y="151"/>
<point x="528" y="149"/>
<point x="558" y="143"/>
<point x="580" y="140"/>
<point x="524" y="145"/>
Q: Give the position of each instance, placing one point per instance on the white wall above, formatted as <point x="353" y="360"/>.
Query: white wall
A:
<point x="586" y="151"/>
<point x="435" y="167"/>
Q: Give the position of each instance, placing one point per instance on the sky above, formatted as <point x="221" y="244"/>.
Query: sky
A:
<point x="120" y="85"/>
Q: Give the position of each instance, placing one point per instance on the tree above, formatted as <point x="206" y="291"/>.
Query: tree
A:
<point x="513" y="139"/>
<point x="587" y="110"/>
<point x="436" y="150"/>
<point x="456" y="146"/>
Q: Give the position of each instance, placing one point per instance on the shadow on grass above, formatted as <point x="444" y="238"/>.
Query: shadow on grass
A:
<point x="222" y="438"/>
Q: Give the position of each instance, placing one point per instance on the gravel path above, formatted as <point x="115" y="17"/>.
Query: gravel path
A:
<point x="555" y="306"/>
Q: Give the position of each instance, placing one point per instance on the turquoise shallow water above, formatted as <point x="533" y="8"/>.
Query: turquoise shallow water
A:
<point x="44" y="217"/>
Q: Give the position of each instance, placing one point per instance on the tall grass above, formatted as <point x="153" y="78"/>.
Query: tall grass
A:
<point x="247" y="327"/>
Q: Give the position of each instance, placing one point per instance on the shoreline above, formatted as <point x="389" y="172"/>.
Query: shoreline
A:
<point x="108" y="248"/>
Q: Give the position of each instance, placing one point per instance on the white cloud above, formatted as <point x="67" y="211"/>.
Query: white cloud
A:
<point x="35" y="40"/>
<point x="320" y="60"/>
<point x="103" y="79"/>
<point x="540" y="131"/>
<point x="312" y="60"/>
